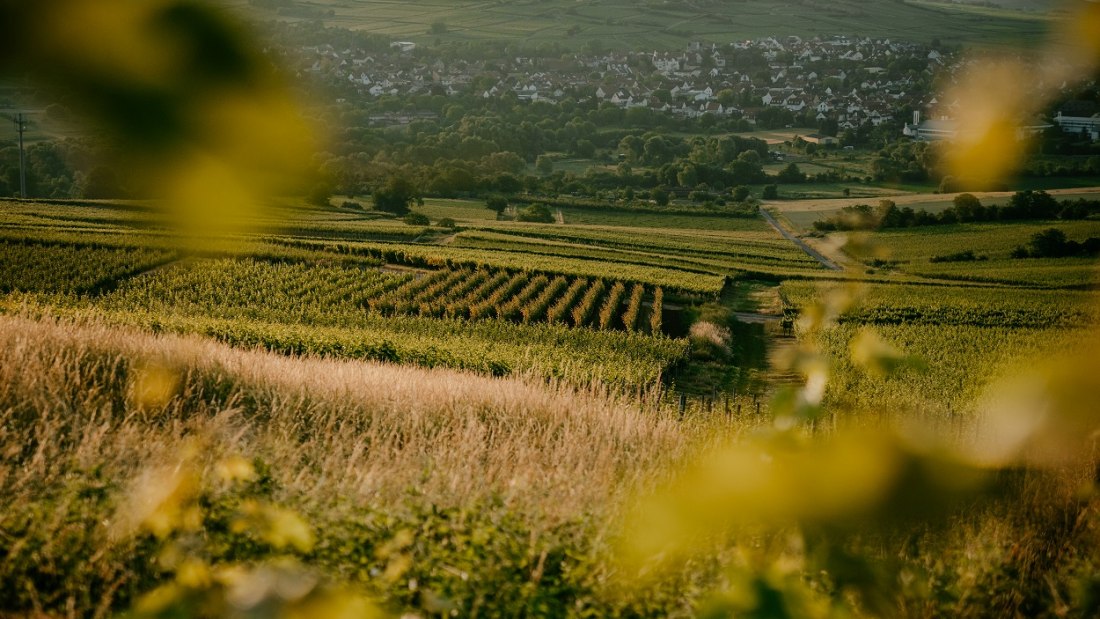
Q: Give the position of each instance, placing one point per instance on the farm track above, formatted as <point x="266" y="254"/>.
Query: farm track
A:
<point x="811" y="252"/>
<point x="777" y="375"/>
<point x="754" y="318"/>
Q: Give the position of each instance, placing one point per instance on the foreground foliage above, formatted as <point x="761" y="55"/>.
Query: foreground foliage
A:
<point x="134" y="461"/>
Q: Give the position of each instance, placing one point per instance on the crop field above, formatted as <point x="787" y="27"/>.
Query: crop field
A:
<point x="305" y="293"/>
<point x="435" y="256"/>
<point x="966" y="340"/>
<point x="803" y="213"/>
<point x="488" y="349"/>
<point x="734" y="258"/>
<point x="459" y="210"/>
<point x="911" y="250"/>
<point x="663" y="24"/>
<point x="503" y="389"/>
<point x="588" y="217"/>
<point x="995" y="239"/>
<point x="363" y="313"/>
<point x="33" y="267"/>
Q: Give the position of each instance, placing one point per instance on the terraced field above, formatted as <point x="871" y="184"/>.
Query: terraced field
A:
<point x="668" y="23"/>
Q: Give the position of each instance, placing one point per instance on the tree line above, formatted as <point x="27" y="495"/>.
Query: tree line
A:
<point x="966" y="208"/>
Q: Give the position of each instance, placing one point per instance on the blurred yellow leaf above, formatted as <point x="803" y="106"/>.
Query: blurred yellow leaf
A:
<point x="235" y="469"/>
<point x="161" y="501"/>
<point x="1045" y="414"/>
<point x="287" y="528"/>
<point x="153" y="385"/>
<point x="769" y="483"/>
<point x="870" y="352"/>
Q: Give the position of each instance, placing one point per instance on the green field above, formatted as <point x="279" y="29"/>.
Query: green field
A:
<point x="632" y="407"/>
<point x="421" y="400"/>
<point x="662" y="24"/>
<point x="308" y="282"/>
<point x="802" y="213"/>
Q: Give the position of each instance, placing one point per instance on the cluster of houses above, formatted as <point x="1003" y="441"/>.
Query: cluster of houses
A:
<point x="855" y="82"/>
<point x="846" y="80"/>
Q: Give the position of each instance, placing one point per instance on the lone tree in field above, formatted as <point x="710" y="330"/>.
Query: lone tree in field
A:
<point x="967" y="206"/>
<point x="395" y="196"/>
<point x="539" y="213"/>
<point x="496" y="203"/>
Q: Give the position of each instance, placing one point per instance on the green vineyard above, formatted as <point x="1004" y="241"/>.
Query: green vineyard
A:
<point x="524" y="297"/>
<point x="341" y="295"/>
<point x="65" y="268"/>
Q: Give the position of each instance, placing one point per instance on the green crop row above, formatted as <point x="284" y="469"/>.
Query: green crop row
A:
<point x="518" y="297"/>
<point x="616" y="359"/>
<point x="897" y="304"/>
<point x="437" y="256"/>
<point x="33" y="267"/>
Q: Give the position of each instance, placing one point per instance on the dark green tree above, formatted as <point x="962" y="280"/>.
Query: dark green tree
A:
<point x="395" y="196"/>
<point x="539" y="213"/>
<point x="417" y="219"/>
<point x="496" y="204"/>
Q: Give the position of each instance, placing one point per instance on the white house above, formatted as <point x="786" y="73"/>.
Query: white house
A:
<point x="1086" y="125"/>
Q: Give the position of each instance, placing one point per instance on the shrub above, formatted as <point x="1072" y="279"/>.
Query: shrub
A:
<point x="709" y="341"/>
<point x="417" y="219"/>
<point x="539" y="213"/>
<point x="496" y="203"/>
<point x="962" y="256"/>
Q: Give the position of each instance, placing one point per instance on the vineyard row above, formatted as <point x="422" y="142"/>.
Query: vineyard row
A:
<point x="528" y="298"/>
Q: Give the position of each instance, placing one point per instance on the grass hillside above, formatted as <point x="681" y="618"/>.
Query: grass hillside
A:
<point x="96" y="424"/>
<point x="322" y="395"/>
<point x="663" y="24"/>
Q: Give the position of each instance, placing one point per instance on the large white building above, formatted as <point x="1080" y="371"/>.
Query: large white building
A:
<point x="935" y="130"/>
<point x="1089" y="125"/>
<point x="931" y="130"/>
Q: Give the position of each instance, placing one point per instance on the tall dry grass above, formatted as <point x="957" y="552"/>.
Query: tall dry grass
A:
<point x="84" y="397"/>
<point x="92" y="415"/>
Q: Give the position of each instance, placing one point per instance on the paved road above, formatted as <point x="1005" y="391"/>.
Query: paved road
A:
<point x="810" y="251"/>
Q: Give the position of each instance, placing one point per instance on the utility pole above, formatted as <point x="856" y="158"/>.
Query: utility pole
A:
<point x="21" y="126"/>
<point x="22" y="121"/>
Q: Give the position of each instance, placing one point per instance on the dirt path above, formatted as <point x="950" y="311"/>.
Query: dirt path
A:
<point x="777" y="374"/>
<point x="774" y="372"/>
<point x="811" y="252"/>
<point x="755" y="318"/>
